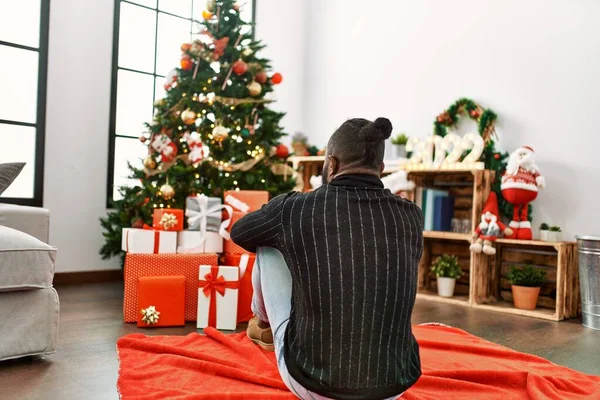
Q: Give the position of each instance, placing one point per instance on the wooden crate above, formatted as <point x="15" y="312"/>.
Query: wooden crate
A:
<point x="559" y="296"/>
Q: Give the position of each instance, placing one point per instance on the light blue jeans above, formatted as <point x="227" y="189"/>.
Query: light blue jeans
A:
<point x="272" y="302"/>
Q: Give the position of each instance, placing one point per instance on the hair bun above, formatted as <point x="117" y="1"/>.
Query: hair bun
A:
<point x="383" y="128"/>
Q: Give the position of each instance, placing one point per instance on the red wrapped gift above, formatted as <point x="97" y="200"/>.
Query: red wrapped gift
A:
<point x="246" y="200"/>
<point x="167" y="219"/>
<point x="161" y="301"/>
<point x="139" y="265"/>
<point x="228" y="245"/>
<point x="246" y="265"/>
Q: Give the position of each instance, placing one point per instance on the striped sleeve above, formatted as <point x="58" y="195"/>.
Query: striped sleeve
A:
<point x="260" y="228"/>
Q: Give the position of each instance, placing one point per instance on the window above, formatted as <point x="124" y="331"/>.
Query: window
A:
<point x="147" y="38"/>
<point x="24" y="61"/>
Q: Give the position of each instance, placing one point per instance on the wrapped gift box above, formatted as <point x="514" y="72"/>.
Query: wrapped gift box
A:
<point x="218" y="297"/>
<point x="163" y="298"/>
<point x="167" y="219"/>
<point x="148" y="241"/>
<point x="245" y="262"/>
<point x="197" y="242"/>
<point x="228" y="245"/>
<point x="139" y="265"/>
<point x="205" y="214"/>
<point x="246" y="200"/>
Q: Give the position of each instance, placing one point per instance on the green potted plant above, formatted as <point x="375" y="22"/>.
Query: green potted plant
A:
<point x="544" y="228"/>
<point x="447" y="271"/>
<point x="554" y="234"/>
<point x="526" y="283"/>
<point x="399" y="141"/>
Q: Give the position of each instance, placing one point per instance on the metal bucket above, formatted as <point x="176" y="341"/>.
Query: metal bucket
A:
<point x="589" y="280"/>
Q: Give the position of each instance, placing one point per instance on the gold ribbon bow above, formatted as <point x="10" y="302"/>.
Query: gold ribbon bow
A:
<point x="168" y="221"/>
<point x="150" y="315"/>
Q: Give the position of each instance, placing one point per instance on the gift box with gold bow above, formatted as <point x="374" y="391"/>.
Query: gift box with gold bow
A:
<point x="167" y="219"/>
<point x="144" y="265"/>
<point x="218" y="297"/>
<point x="161" y="301"/>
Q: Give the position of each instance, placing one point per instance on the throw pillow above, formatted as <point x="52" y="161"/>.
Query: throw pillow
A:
<point x="8" y="173"/>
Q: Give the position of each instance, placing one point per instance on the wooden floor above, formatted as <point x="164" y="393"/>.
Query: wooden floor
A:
<point x="85" y="366"/>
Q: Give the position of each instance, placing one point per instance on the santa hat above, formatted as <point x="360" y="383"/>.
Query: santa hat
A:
<point x="527" y="148"/>
<point x="491" y="204"/>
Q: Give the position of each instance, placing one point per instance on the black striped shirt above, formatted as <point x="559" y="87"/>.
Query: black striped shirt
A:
<point x="353" y="250"/>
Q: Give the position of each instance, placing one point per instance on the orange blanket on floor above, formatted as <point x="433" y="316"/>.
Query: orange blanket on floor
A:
<point x="456" y="365"/>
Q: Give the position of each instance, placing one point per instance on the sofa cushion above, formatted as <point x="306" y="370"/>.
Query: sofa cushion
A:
<point x="25" y="262"/>
<point x="8" y="173"/>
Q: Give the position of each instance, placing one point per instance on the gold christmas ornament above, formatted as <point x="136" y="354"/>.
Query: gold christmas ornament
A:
<point x="220" y="133"/>
<point x="254" y="88"/>
<point x="167" y="191"/>
<point x="149" y="162"/>
<point x="188" y="117"/>
<point x="210" y="5"/>
<point x="247" y="52"/>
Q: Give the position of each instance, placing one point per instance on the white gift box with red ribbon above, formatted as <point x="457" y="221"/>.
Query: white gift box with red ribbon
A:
<point x="192" y="242"/>
<point x="218" y="288"/>
<point x="148" y="241"/>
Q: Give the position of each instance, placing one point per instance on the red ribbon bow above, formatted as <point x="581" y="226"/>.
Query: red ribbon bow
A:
<point x="213" y="283"/>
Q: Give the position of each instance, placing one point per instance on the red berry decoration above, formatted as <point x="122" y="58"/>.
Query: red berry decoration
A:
<point x="186" y="63"/>
<point x="277" y="78"/>
<point x="497" y="156"/>
<point x="186" y="47"/>
<point x="240" y="67"/>
<point x="261" y="77"/>
<point x="282" y="151"/>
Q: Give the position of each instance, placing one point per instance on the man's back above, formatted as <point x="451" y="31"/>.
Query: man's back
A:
<point x="353" y="250"/>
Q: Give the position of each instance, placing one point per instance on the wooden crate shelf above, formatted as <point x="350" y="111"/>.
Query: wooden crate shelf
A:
<point x="484" y="284"/>
<point x="559" y="296"/>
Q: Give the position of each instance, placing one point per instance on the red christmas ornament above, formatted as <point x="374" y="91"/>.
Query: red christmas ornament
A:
<point x="186" y="47"/>
<point x="143" y="139"/>
<point x="497" y="156"/>
<point x="277" y="78"/>
<point x="261" y="77"/>
<point x="138" y="223"/>
<point x="282" y="151"/>
<point x="240" y="67"/>
<point x="186" y="63"/>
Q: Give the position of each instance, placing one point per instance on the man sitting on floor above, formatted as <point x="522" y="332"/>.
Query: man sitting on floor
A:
<point x="336" y="275"/>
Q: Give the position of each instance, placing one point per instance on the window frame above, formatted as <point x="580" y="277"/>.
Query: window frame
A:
<point x="40" y="124"/>
<point x="112" y="138"/>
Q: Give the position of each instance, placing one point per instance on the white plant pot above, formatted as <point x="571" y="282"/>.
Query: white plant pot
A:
<point x="554" y="236"/>
<point x="399" y="151"/>
<point x="544" y="235"/>
<point x="445" y="286"/>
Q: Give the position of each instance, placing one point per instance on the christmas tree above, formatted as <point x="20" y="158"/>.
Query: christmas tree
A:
<point x="213" y="131"/>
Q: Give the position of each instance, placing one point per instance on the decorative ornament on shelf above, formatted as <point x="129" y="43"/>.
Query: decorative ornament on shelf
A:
<point x="150" y="315"/>
<point x="207" y="14"/>
<point x="282" y="151"/>
<point x="220" y="133"/>
<point x="261" y="77"/>
<point x="188" y="117"/>
<point x="186" y="63"/>
<point x="490" y="228"/>
<point x="254" y="88"/>
<point x="277" y="78"/>
<point x="520" y="186"/>
<point x="300" y="144"/>
<point x="167" y="191"/>
<point x="149" y="162"/>
<point x="240" y="67"/>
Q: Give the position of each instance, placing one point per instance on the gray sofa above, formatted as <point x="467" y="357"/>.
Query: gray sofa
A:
<point x="29" y="306"/>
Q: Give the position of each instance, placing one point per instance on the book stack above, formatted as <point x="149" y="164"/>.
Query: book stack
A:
<point x="438" y="208"/>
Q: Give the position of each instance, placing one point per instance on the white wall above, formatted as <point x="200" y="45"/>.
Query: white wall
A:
<point x="534" y="62"/>
<point x="79" y="72"/>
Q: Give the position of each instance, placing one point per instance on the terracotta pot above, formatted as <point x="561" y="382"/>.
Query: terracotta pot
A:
<point x="445" y="286"/>
<point x="524" y="297"/>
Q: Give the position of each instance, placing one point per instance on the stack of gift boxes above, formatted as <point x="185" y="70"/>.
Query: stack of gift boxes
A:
<point x="174" y="275"/>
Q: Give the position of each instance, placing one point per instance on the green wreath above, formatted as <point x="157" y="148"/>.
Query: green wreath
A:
<point x="486" y="122"/>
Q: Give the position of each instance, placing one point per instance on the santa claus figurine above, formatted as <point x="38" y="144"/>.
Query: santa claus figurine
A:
<point x="489" y="228"/>
<point x="519" y="186"/>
